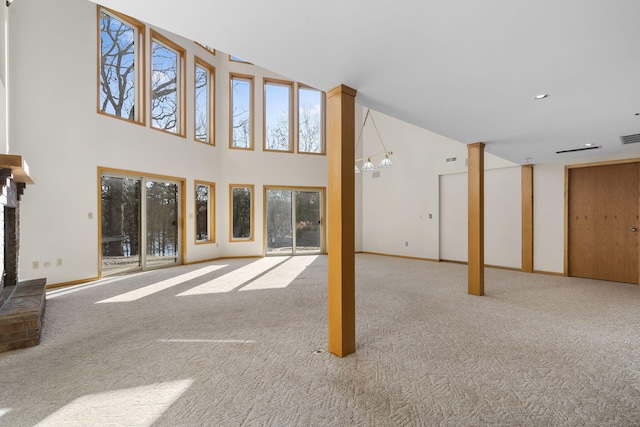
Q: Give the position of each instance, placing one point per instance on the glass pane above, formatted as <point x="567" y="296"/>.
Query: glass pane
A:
<point x="308" y="222"/>
<point x="162" y="223"/>
<point x="164" y="88"/>
<point x="202" y="213"/>
<point x="117" y="67"/>
<point x="202" y="104"/>
<point x="279" y="222"/>
<point x="120" y="198"/>
<point x="310" y="121"/>
<point x="241" y="114"/>
<point x="241" y="213"/>
<point x="277" y="116"/>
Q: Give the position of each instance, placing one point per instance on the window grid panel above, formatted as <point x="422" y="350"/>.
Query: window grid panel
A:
<point x="202" y="104"/>
<point x="278" y="101"/>
<point x="204" y="212"/>
<point x="241" y="117"/>
<point x="241" y="207"/>
<point x="164" y="88"/>
<point x="310" y="120"/>
<point x="120" y="42"/>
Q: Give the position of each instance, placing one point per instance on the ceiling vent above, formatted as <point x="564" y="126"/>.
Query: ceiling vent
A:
<point x="573" y="150"/>
<point x="630" y="139"/>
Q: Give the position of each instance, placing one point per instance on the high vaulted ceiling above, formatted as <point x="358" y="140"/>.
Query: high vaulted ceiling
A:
<point x="466" y="69"/>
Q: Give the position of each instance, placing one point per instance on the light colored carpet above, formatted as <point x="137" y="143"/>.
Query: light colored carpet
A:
<point x="232" y="343"/>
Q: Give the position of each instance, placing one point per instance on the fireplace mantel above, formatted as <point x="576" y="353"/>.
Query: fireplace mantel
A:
<point x="18" y="166"/>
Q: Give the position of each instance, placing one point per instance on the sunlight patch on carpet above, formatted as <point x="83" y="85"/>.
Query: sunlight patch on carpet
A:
<point x="283" y="275"/>
<point x="161" y="286"/>
<point x="137" y="406"/>
<point x="235" y="278"/>
<point x="55" y="293"/>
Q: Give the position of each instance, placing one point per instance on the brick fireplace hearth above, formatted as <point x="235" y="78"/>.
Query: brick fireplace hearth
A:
<point x="21" y="303"/>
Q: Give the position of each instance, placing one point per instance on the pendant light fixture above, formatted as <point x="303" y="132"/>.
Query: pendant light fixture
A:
<point x="368" y="165"/>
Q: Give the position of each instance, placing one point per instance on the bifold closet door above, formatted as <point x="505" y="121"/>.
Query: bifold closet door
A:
<point x="603" y="216"/>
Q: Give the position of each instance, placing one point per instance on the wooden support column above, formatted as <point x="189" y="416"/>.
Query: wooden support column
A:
<point x="341" y="220"/>
<point x="476" y="218"/>
<point x="527" y="218"/>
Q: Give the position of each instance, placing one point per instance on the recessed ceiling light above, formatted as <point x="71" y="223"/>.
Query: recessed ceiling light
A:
<point x="588" y="144"/>
<point x="543" y="96"/>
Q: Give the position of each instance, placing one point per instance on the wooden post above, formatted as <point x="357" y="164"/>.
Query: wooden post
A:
<point x="341" y="220"/>
<point x="476" y="218"/>
<point x="527" y="218"/>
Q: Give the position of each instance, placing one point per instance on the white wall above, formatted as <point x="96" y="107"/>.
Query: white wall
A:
<point x="358" y="190"/>
<point x="502" y="217"/>
<point x="54" y="125"/>
<point x="398" y="203"/>
<point x="454" y="209"/>
<point x="548" y="217"/>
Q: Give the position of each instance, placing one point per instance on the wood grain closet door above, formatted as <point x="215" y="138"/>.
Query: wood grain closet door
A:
<point x="603" y="214"/>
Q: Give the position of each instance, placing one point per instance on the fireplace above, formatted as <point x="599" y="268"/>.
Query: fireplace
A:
<point x="22" y="303"/>
<point x="10" y="228"/>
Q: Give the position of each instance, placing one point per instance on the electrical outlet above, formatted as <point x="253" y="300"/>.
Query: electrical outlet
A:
<point x="90" y="215"/>
<point x="430" y="216"/>
<point x="59" y="262"/>
<point x="406" y="243"/>
<point x="47" y="264"/>
<point x="35" y="265"/>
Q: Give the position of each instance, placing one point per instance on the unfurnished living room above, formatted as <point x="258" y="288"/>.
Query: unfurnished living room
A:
<point x="333" y="214"/>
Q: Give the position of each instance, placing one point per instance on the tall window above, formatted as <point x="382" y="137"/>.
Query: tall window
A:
<point x="310" y="120"/>
<point x="204" y="101"/>
<point x="205" y="212"/>
<point x="121" y="45"/>
<point x="241" y="99"/>
<point x="167" y="87"/>
<point x="241" y="212"/>
<point x="278" y="101"/>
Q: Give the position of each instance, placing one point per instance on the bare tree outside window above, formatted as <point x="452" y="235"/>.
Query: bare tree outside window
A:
<point x="164" y="87"/>
<point x="277" y="114"/>
<point x="202" y="104"/>
<point x="242" y="212"/>
<point x="118" y="62"/>
<point x="241" y="100"/>
<point x="162" y="214"/>
<point x="203" y="212"/>
<point x="310" y="121"/>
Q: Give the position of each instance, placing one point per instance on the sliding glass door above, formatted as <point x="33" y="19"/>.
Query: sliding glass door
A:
<point x="120" y="198"/>
<point x="293" y="221"/>
<point x="308" y="222"/>
<point x="161" y="223"/>
<point x="140" y="227"/>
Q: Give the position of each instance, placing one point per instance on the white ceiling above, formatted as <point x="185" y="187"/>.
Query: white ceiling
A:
<point x="466" y="69"/>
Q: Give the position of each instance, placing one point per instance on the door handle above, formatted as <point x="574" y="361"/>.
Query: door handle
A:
<point x="633" y="229"/>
